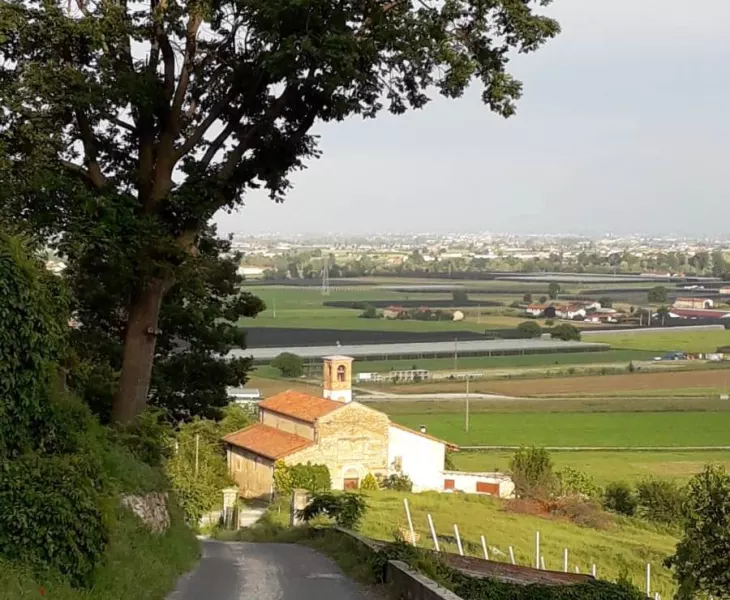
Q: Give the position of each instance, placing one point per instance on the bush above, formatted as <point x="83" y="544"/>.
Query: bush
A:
<point x="459" y="297"/>
<point x="565" y="332"/>
<point x="605" y="302"/>
<point x="369" y="483"/>
<point x="370" y="312"/>
<point x="313" y="478"/>
<point x="530" y="329"/>
<point x="532" y="473"/>
<point x="619" y="497"/>
<point x="527" y="297"/>
<point x="52" y="518"/>
<point x="573" y="482"/>
<point x="660" y="501"/>
<point x="395" y="482"/>
<point x="148" y="437"/>
<point x="549" y="322"/>
<point x="581" y="512"/>
<point x="345" y="509"/>
<point x="289" y="365"/>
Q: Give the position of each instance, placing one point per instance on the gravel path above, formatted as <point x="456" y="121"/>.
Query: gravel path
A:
<point x="246" y="571"/>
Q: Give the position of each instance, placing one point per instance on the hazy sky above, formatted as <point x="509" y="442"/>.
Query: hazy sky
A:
<point x="624" y="126"/>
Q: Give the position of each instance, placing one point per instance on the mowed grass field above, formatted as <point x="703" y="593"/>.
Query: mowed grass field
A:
<point x="606" y="466"/>
<point x="653" y="429"/>
<point x="666" y="340"/>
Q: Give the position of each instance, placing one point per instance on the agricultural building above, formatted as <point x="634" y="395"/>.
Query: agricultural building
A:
<point x="425" y="349"/>
<point x="701" y="303"/>
<point x="352" y="440"/>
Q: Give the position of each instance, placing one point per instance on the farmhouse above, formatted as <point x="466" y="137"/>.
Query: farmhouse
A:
<point x="701" y="303"/>
<point x="536" y="310"/>
<point x="351" y="439"/>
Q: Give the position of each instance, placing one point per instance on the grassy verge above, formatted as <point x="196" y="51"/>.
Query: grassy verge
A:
<point x="666" y="340"/>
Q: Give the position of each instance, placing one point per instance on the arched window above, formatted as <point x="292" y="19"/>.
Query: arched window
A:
<point x="341" y="373"/>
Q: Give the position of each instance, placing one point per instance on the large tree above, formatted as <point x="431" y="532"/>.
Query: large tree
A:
<point x="125" y="126"/>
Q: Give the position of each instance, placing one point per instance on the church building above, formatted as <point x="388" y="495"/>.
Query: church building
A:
<point x="351" y="439"/>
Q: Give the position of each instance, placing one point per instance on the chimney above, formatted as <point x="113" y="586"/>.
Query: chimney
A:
<point x="422" y="428"/>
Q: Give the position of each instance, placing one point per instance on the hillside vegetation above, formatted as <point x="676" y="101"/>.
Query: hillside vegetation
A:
<point x="63" y="532"/>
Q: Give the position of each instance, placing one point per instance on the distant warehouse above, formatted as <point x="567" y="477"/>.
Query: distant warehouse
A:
<point x="426" y="349"/>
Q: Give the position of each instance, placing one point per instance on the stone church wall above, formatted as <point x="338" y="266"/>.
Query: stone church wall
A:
<point x="352" y="442"/>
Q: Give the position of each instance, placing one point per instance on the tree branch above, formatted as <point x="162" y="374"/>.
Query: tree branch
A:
<point x="89" y="142"/>
<point x="191" y="44"/>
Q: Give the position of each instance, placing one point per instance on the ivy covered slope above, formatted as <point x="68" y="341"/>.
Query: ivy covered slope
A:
<point x="63" y="532"/>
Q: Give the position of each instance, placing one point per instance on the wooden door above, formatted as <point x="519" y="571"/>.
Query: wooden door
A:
<point x="352" y="483"/>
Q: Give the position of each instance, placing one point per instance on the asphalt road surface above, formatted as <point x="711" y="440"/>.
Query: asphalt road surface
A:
<point x="245" y="571"/>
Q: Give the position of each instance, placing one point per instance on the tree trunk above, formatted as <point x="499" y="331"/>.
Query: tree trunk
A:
<point x="139" y="352"/>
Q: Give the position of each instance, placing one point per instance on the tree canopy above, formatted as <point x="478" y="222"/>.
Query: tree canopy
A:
<point x="126" y="126"/>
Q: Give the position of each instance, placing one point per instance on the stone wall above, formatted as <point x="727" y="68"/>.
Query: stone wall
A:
<point x="351" y="441"/>
<point x="151" y="509"/>
<point x="253" y="474"/>
<point x="287" y="424"/>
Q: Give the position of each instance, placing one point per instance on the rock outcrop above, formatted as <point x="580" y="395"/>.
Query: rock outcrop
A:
<point x="151" y="509"/>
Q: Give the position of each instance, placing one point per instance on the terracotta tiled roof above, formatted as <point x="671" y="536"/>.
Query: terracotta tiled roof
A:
<point x="425" y="435"/>
<point x="267" y="441"/>
<point x="300" y="406"/>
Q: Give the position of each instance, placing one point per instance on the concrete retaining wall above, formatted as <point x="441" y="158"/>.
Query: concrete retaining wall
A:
<point x="407" y="584"/>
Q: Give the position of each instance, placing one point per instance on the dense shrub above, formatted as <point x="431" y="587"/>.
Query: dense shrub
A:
<point x="532" y="472"/>
<point x="573" y="482"/>
<point x="619" y="497"/>
<point x="565" y="332"/>
<point x="660" y="500"/>
<point x="346" y="509"/>
<point x="369" y="312"/>
<point x="369" y="483"/>
<point x="584" y="513"/>
<point x="313" y="478"/>
<point x="289" y="365"/>
<point x="395" y="482"/>
<point x="530" y="329"/>
<point x="148" y="437"/>
<point x="701" y="562"/>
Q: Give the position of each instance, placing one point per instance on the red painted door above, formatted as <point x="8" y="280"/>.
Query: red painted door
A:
<point x="488" y="488"/>
<point x="352" y="483"/>
<point x="448" y="484"/>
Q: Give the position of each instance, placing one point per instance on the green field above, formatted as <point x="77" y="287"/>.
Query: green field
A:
<point x="607" y="466"/>
<point x="666" y="340"/>
<point x="493" y="362"/>
<point x="670" y="429"/>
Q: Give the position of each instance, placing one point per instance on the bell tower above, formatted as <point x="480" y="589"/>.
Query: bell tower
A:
<point x="337" y="382"/>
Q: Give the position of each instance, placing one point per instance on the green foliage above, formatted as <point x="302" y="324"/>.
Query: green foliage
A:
<point x="605" y="302"/>
<point x="289" y="365"/>
<point x="235" y="418"/>
<point x="530" y="329"/>
<point x="565" y="332"/>
<point x="449" y="461"/>
<point x="396" y="482"/>
<point x="619" y="497"/>
<point x="527" y="297"/>
<point x="549" y="322"/>
<point x="532" y="473"/>
<point x="573" y="482"/>
<point x="554" y="290"/>
<point x="161" y="146"/>
<point x="148" y="437"/>
<point x="369" y="483"/>
<point x="701" y="562"/>
<point x="658" y="295"/>
<point x="198" y="489"/>
<point x="660" y="500"/>
<point x="53" y="518"/>
<point x="313" y="478"/>
<point x="346" y="509"/>
<point x="369" y="312"/>
<point x="631" y="368"/>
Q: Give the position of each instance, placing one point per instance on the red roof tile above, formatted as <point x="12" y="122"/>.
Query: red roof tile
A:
<point x="267" y="441"/>
<point x="300" y="406"/>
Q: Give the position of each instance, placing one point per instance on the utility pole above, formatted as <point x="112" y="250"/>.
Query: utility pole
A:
<point x="456" y="353"/>
<point x="467" y="403"/>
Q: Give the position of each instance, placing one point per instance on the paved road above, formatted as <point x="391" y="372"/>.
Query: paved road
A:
<point x="245" y="571"/>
